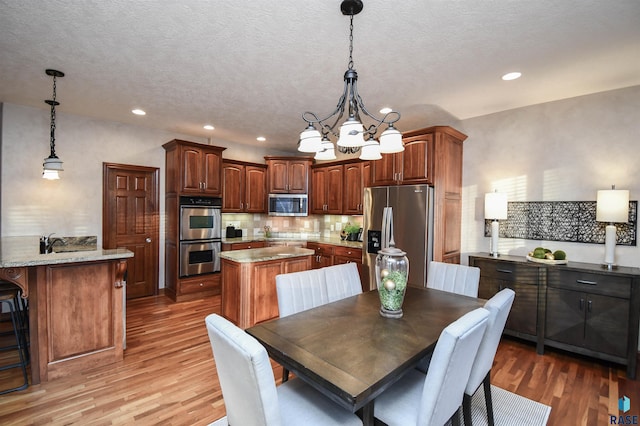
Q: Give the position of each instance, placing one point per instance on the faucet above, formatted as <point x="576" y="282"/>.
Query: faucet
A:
<point x="47" y="243"/>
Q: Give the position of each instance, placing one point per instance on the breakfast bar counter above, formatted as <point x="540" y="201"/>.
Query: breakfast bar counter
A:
<point x="75" y="304"/>
<point x="249" y="281"/>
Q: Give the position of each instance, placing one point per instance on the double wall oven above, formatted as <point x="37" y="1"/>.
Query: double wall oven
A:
<point x="200" y="234"/>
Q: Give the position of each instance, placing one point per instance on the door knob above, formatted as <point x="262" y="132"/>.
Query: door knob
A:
<point x="148" y="240"/>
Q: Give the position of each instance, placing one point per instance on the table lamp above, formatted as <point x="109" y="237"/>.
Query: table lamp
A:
<point x="612" y="206"/>
<point x="495" y="209"/>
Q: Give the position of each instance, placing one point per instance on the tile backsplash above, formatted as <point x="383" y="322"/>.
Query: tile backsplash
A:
<point x="312" y="226"/>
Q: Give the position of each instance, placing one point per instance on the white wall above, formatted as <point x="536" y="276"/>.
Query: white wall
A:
<point x="558" y="151"/>
<point x="72" y="206"/>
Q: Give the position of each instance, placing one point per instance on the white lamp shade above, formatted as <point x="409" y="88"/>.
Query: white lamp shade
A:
<point x="351" y="134"/>
<point x="495" y="205"/>
<point x="612" y="206"/>
<point x="370" y="150"/>
<point x="51" y="167"/>
<point x="326" y="151"/>
<point x="391" y="141"/>
<point x="310" y="140"/>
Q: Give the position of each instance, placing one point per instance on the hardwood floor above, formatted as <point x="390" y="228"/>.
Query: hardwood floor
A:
<point x="168" y="377"/>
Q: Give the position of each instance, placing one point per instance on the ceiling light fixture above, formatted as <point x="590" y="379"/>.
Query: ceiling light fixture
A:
<point x="138" y="112"/>
<point x="511" y="76"/>
<point x="351" y="135"/>
<point x="52" y="164"/>
<point x="208" y="127"/>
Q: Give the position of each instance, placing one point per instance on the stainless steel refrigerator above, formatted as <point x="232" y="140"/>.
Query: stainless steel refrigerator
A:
<point x="412" y="227"/>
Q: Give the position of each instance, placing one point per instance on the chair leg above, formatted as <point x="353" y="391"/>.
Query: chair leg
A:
<point x="455" y="419"/>
<point x="285" y="374"/>
<point x="466" y="409"/>
<point x="487" y="397"/>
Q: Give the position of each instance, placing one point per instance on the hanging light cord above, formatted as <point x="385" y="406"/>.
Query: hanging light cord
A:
<point x="53" y="104"/>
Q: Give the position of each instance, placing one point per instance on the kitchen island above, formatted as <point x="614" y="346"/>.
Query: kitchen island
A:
<point x="249" y="281"/>
<point x="75" y="304"/>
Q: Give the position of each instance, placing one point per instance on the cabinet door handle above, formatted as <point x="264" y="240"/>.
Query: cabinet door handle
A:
<point x="581" y="304"/>
<point x="589" y="304"/>
<point x="587" y="282"/>
<point x="506" y="271"/>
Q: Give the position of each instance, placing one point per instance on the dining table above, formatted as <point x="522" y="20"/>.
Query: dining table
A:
<point x="350" y="353"/>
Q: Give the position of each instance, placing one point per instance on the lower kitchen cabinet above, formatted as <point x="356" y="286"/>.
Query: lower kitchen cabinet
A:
<point x="581" y="307"/>
<point x="244" y="245"/>
<point x="329" y="254"/>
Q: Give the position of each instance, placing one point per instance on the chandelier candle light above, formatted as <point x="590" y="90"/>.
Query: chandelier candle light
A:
<point x="351" y="135"/>
<point x="495" y="208"/>
<point x="52" y="164"/>
<point x="612" y="206"/>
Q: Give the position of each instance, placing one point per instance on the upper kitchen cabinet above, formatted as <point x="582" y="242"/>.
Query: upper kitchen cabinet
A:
<point x="244" y="187"/>
<point x="193" y="168"/>
<point x="357" y="176"/>
<point x="288" y="175"/>
<point x="412" y="166"/>
<point x="327" y="186"/>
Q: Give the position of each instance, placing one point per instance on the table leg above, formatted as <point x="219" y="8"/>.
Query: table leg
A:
<point x="367" y="414"/>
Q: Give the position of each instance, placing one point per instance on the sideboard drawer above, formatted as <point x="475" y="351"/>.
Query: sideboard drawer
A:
<point x="508" y="271"/>
<point x="608" y="285"/>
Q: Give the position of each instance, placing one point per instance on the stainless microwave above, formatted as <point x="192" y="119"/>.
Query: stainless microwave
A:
<point x="288" y="205"/>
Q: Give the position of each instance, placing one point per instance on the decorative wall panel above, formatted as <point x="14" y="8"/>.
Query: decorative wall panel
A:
<point x="573" y="221"/>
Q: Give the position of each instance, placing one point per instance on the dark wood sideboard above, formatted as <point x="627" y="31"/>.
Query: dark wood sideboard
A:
<point x="578" y="307"/>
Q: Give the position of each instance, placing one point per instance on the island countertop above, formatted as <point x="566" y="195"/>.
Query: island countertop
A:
<point x="18" y="252"/>
<point x="264" y="254"/>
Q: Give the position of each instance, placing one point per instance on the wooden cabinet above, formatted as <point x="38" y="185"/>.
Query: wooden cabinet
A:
<point x="327" y="185"/>
<point x="323" y="254"/>
<point x="244" y="187"/>
<point x="249" y="288"/>
<point x="193" y="168"/>
<point x="288" y="175"/>
<point x="412" y="166"/>
<point x="243" y="245"/>
<point x="580" y="307"/>
<point x="588" y="311"/>
<point x="431" y="156"/>
<point x="357" y="176"/>
<point x="329" y="254"/>
<point x="522" y="278"/>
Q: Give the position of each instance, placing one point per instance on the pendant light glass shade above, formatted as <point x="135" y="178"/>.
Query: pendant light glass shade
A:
<point x="51" y="167"/>
<point x="326" y="151"/>
<point x="310" y="140"/>
<point x="391" y="141"/>
<point x="370" y="150"/>
<point x="351" y="133"/>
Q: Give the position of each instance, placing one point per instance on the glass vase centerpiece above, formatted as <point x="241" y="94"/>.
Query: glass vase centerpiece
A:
<point x="392" y="270"/>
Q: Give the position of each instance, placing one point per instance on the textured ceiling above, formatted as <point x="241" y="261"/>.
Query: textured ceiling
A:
<point x="252" y="68"/>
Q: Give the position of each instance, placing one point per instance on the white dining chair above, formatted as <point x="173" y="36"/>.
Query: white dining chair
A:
<point x="460" y="279"/>
<point x="299" y="291"/>
<point x="250" y="395"/>
<point x="434" y="398"/>
<point x="499" y="307"/>
<point x="342" y="281"/>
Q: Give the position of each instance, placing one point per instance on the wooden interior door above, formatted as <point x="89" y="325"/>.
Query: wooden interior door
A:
<point x="130" y="212"/>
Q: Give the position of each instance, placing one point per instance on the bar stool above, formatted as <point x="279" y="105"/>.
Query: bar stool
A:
<point x="10" y="297"/>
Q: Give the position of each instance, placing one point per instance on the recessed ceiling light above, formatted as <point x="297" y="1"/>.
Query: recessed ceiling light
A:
<point x="385" y="110"/>
<point x="261" y="138"/>
<point x="511" y="76"/>
<point x="138" y="112"/>
<point x="208" y="127"/>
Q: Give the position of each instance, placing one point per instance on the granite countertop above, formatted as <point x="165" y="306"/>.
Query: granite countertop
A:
<point x="17" y="252"/>
<point x="332" y="241"/>
<point x="264" y="254"/>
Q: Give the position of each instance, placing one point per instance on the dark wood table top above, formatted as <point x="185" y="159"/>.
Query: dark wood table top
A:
<point x="349" y="352"/>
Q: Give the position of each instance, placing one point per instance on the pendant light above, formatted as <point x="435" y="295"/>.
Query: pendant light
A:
<point x="52" y="164"/>
<point x="352" y="134"/>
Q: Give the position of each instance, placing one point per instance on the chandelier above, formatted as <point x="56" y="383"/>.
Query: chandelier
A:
<point x="352" y="135"/>
<point x="52" y="164"/>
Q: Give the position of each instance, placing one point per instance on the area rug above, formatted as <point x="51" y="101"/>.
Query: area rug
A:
<point x="509" y="409"/>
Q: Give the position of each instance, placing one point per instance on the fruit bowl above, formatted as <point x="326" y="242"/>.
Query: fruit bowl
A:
<point x="548" y="261"/>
